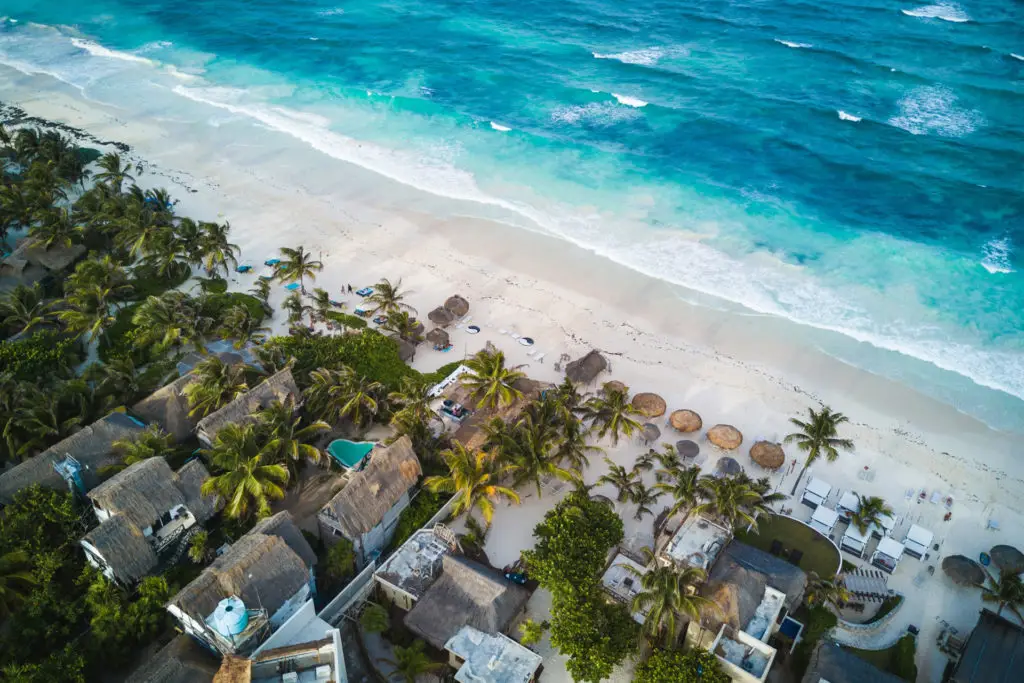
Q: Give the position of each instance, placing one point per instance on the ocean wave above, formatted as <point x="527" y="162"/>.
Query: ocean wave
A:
<point x="944" y="11"/>
<point x="629" y="101"/>
<point x="594" y="113"/>
<point x="996" y="255"/>
<point x="788" y="43"/>
<point x="646" y="57"/>
<point x="333" y="12"/>
<point x="97" y="50"/>
<point x="500" y="128"/>
<point x="932" y="110"/>
<point x="847" y="117"/>
<point x="1017" y="56"/>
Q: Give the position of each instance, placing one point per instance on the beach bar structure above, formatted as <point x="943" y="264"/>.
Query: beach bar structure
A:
<point x="917" y="541"/>
<point x="408" y="572"/>
<point x="815" y="492"/>
<point x="887" y="555"/>
<point x="824" y="520"/>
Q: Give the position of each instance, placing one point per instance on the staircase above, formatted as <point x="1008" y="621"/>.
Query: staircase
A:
<point x="183" y="543"/>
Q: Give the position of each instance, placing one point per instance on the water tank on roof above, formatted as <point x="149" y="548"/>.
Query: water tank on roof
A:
<point x="230" y="617"/>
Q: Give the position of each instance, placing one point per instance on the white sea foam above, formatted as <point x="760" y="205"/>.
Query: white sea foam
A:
<point x="788" y="43"/>
<point x="500" y="128"/>
<point x="179" y="74"/>
<point x="333" y="12"/>
<point x="646" y="57"/>
<point x="944" y="11"/>
<point x="595" y="113"/>
<point x="996" y="255"/>
<point x="848" y="117"/>
<point x="629" y="101"/>
<point x="97" y="50"/>
<point x="931" y="110"/>
<point x="1017" y="56"/>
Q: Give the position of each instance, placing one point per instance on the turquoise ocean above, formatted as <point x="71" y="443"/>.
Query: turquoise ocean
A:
<point x="853" y="166"/>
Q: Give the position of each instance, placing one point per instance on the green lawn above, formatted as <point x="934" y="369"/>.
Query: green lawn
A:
<point x="819" y="555"/>
<point x="897" y="660"/>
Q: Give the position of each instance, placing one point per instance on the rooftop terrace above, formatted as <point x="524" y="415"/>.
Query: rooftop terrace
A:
<point x="414" y="566"/>
<point x="697" y="542"/>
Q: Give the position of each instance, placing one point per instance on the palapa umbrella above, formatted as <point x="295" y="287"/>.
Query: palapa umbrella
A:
<point x="963" y="570"/>
<point x="457" y="306"/>
<point x="614" y="385"/>
<point x="768" y="455"/>
<point x="1007" y="558"/>
<point x="687" y="448"/>
<point x="728" y="467"/>
<point x="685" y="421"/>
<point x="441" y="316"/>
<point x="584" y="370"/>
<point x="650" y="432"/>
<point x="725" y="436"/>
<point x="418" y="329"/>
<point x="438" y="337"/>
<point x="649" y="404"/>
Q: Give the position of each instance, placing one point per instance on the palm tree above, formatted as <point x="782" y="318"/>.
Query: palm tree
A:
<point x="388" y="298"/>
<point x="56" y="228"/>
<point x="403" y="325"/>
<point x="644" y="498"/>
<point x="528" y="451"/>
<point x="374" y="618"/>
<point x="870" y="513"/>
<point x="568" y="400"/>
<point x="822" y="591"/>
<point x="114" y="172"/>
<point x="573" y="447"/>
<point x="1007" y="591"/>
<point x="117" y="381"/>
<point x="24" y="308"/>
<point x="734" y="500"/>
<point x="413" y="395"/>
<point x="818" y="436"/>
<point x="104" y="272"/>
<point x="472" y="478"/>
<point x="410" y="662"/>
<point x="240" y="324"/>
<point x="492" y="384"/>
<point x="667" y="593"/>
<point x="669" y="460"/>
<point x="612" y="415"/>
<point x="323" y="304"/>
<point x="248" y="479"/>
<point x="171" y="319"/>
<point x="625" y="481"/>
<point x="297" y="264"/>
<point x="88" y="312"/>
<point x="199" y="550"/>
<point x="286" y="437"/>
<point x="261" y="290"/>
<point x="296" y="308"/>
<point x="360" y="400"/>
<point x="16" y="580"/>
<point x="216" y="384"/>
<point x="217" y="251"/>
<point x="152" y="442"/>
<point x="684" y="485"/>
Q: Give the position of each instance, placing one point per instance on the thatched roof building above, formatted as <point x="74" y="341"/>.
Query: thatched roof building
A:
<point x="370" y="494"/>
<point x="278" y="387"/>
<point x="457" y="306"/>
<point x="438" y="337"/>
<point x="465" y="594"/>
<point x="168" y="408"/>
<point x="584" y="370"/>
<point x="180" y="661"/>
<point x="831" y="663"/>
<point x="963" y="570"/>
<point x="613" y="385"/>
<point x="1007" y="558"/>
<point x="471" y="432"/>
<point x="441" y="316"/>
<point x="406" y="349"/>
<point x="993" y="652"/>
<point x="738" y="579"/>
<point x="91" y="446"/>
<point x="28" y="252"/>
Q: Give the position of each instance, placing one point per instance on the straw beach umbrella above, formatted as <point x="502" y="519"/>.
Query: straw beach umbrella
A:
<point x="651" y="405"/>
<point x="725" y="436"/>
<point x="441" y="316"/>
<point x="727" y="467"/>
<point x="650" y="432"/>
<point x="687" y="448"/>
<point x="963" y="570"/>
<point x="457" y="306"/>
<point x="768" y="455"/>
<point x="584" y="370"/>
<point x="438" y="337"/>
<point x="614" y="385"/>
<point x="1007" y="558"/>
<point x="686" y="421"/>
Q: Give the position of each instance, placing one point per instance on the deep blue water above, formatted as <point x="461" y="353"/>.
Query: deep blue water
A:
<point x="853" y="165"/>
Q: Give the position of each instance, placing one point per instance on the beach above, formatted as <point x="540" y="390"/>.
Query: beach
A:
<point x="729" y="364"/>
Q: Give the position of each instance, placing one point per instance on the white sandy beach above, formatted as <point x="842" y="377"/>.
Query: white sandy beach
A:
<point x="731" y="367"/>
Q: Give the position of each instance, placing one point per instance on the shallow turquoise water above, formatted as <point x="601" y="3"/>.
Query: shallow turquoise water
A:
<point x="854" y="166"/>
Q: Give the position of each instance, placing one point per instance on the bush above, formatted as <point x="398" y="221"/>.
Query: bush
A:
<point x="595" y="634"/>
<point x="424" y="506"/>
<point x="119" y="340"/>
<point x="352" y="322"/>
<point x="370" y="354"/>
<point x="674" y="666"/>
<point x="902" y="662"/>
<point x="37" y="356"/>
<point x="146" y="282"/>
<point x="442" y="372"/>
<point x="818" y="621"/>
<point x="219" y="304"/>
<point x="890" y="603"/>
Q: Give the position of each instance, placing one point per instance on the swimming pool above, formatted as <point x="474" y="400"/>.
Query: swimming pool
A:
<point x="349" y="454"/>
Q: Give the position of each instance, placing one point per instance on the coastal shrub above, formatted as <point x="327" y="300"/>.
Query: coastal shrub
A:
<point x="888" y="605"/>
<point x="119" y="340"/>
<point x="39" y="355"/>
<point x="352" y="322"/>
<point x="146" y="282"/>
<point x="442" y="372"/>
<point x="595" y="634"/>
<point x="370" y="354"/>
<point x="675" y="666"/>
<point x="219" y="304"/>
<point x="424" y="506"/>
<point x="902" y="663"/>
<point x="338" y="564"/>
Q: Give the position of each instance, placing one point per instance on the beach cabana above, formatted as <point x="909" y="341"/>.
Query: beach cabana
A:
<point x="853" y="541"/>
<point x="884" y="526"/>
<point x="650" y="432"/>
<point x="768" y="455"/>
<point x="440" y="316"/>
<point x="725" y="437"/>
<point x="824" y="520"/>
<point x="438" y="337"/>
<point x="1007" y="558"/>
<point x="687" y="449"/>
<point x="685" y="421"/>
<point x="963" y="570"/>
<point x="457" y="306"/>
<point x="612" y="386"/>
<point x="917" y="541"/>
<point x="815" y="492"/>
<point x="585" y="370"/>
<point x="849" y="504"/>
<point x="649" y="404"/>
<point x="887" y="555"/>
<point x="726" y="467"/>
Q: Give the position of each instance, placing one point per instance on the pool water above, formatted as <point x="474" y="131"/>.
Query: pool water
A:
<point x="349" y="454"/>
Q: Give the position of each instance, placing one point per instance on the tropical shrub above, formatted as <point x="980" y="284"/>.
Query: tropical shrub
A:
<point x="424" y="506"/>
<point x="352" y="322"/>
<point x="595" y="634"/>
<point x="38" y="355"/>
<point x="675" y="666"/>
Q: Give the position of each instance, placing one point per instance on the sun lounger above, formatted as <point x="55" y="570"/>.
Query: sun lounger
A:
<point x="473" y="329"/>
<point x="502" y="331"/>
<point x="364" y="292"/>
<point x="515" y="335"/>
<point x="243" y="268"/>
<point x="380" y="319"/>
<point x="271" y="261"/>
<point x="936" y="497"/>
<point x="267" y="274"/>
<point x="292" y="286"/>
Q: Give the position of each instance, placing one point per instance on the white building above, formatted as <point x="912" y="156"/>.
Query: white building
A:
<point x="696" y="543"/>
<point x="494" y="658"/>
<point x="917" y="541"/>
<point x="887" y="555"/>
<point x="824" y="520"/>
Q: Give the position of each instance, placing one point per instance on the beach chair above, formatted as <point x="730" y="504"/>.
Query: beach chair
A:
<point x="795" y="556"/>
<point x="936" y="497"/>
<point x="292" y="286"/>
<point x="271" y="261"/>
<point x="243" y="268"/>
<point x="539" y="357"/>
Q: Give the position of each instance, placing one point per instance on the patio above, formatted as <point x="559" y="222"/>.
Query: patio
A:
<point x="795" y="542"/>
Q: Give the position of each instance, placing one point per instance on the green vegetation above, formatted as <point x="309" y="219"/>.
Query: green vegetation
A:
<point x="423" y="507"/>
<point x="531" y="632"/>
<point x="888" y="605"/>
<point x="819" y="554"/>
<point x="818" y="436"/>
<point x="350" y="322"/>
<point x="37" y="356"/>
<point x="339" y="563"/>
<point x="674" y="666"/>
<point x="818" y="621"/>
<point x="897" y="660"/>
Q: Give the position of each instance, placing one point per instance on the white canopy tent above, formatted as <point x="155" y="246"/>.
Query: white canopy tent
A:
<point x="888" y="554"/>
<point x="824" y="520"/>
<point x="917" y="541"/>
<point x="816" y="492"/>
<point x="854" y="541"/>
<point x="884" y="527"/>
<point x="849" y="503"/>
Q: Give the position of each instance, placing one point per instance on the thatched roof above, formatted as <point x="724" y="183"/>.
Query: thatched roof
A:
<point x="831" y="663"/>
<point x="768" y="455"/>
<point x="685" y="420"/>
<point x="277" y="571"/>
<point x="441" y="316"/>
<point x="650" y="432"/>
<point x="748" y="570"/>
<point x="91" y="446"/>
<point x="471" y="432"/>
<point x="438" y="336"/>
<point x="1007" y="558"/>
<point x="963" y="570"/>
<point x="728" y="467"/>
<point x="142" y="492"/>
<point x="406" y="349"/>
<point x="180" y="661"/>
<point x="369" y="494"/>
<point x="13" y="265"/>
<point x="725" y="436"/>
<point x="234" y="670"/>
<point x="123" y="546"/>
<point x="283" y="526"/>
<point x="613" y="385"/>
<point x="277" y="387"/>
<point x="649" y="404"/>
<point x="190" y="479"/>
<point x="54" y="258"/>
<point x="993" y="653"/>
<point x="584" y="370"/>
<point x="465" y="594"/>
<point x="457" y="306"/>
<point x="168" y="408"/>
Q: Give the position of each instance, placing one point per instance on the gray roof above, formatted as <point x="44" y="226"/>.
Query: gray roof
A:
<point x="369" y="494"/>
<point x="994" y="652"/>
<point x="180" y="661"/>
<point x="743" y="572"/>
<point x="277" y="387"/>
<point x="465" y="594"/>
<point x="278" y="572"/>
<point x="168" y="408"/>
<point x="124" y="548"/>
<point x="833" y="664"/>
<point x="91" y="446"/>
